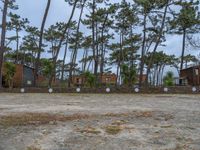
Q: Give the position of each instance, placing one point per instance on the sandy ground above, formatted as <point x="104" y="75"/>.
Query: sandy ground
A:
<point x="99" y="122"/>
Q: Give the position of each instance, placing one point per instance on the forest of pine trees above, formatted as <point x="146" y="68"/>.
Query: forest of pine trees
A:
<point x="125" y="37"/>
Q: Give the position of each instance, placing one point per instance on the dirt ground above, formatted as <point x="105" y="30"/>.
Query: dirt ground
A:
<point x="99" y="122"/>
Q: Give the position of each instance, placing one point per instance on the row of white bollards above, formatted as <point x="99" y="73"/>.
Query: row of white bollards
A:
<point x="78" y="90"/>
<point x="108" y="90"/>
<point x="194" y="89"/>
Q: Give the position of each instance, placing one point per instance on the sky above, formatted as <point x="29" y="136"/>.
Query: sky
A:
<point x="60" y="11"/>
<point x="34" y="10"/>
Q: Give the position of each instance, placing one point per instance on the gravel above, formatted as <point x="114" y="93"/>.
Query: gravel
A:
<point x="163" y="122"/>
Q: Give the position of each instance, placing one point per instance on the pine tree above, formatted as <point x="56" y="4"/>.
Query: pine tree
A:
<point x="41" y="40"/>
<point x="6" y="5"/>
<point x="17" y="24"/>
<point x="187" y="21"/>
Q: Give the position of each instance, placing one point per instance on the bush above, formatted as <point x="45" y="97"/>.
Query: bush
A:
<point x="169" y="79"/>
<point x="9" y="73"/>
<point x="128" y="75"/>
<point x="90" y="79"/>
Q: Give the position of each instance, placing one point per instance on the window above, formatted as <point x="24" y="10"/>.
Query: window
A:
<point x="78" y="80"/>
<point x="184" y="82"/>
<point x="107" y="79"/>
<point x="197" y="72"/>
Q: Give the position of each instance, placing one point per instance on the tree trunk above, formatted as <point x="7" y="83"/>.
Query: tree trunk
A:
<point x="143" y="51"/>
<point x="122" y="59"/>
<point x="159" y="36"/>
<point x="102" y="48"/>
<point x="159" y="75"/>
<point x="74" y="52"/>
<point x="40" y="41"/>
<point x="3" y="36"/>
<point x="117" y="81"/>
<point x="154" y="76"/>
<point x="17" y="45"/>
<point x="84" y="64"/>
<point x="96" y="64"/>
<point x="183" y="52"/>
<point x="183" y="49"/>
<point x="88" y="68"/>
<point x="61" y="42"/>
<point x="64" y="58"/>
<point x="93" y="35"/>
<point x="162" y="73"/>
<point x="94" y="41"/>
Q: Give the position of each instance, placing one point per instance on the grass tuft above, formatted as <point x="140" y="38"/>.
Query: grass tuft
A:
<point x="113" y="129"/>
<point x="145" y="114"/>
<point x="90" y="130"/>
<point x="32" y="148"/>
<point x="119" y="122"/>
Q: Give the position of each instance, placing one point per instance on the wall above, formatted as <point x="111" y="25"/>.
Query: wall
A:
<point x="17" y="80"/>
<point x="191" y="76"/>
<point x="109" y="79"/>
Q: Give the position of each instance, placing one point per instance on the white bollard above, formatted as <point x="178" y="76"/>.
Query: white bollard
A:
<point x="50" y="90"/>
<point x="166" y="89"/>
<point x="22" y="90"/>
<point x="194" y="89"/>
<point x="108" y="90"/>
<point x="137" y="90"/>
<point x="78" y="90"/>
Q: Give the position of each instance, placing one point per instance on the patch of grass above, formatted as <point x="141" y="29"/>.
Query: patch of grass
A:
<point x="165" y="117"/>
<point x="116" y="115"/>
<point x="166" y="126"/>
<point x="168" y="117"/>
<point x="119" y="122"/>
<point x="183" y="139"/>
<point x="32" y="148"/>
<point x="145" y="114"/>
<point x="3" y="108"/>
<point x="90" y="130"/>
<point x="113" y="129"/>
<point x="25" y="119"/>
<point x="138" y="114"/>
<point x="181" y="147"/>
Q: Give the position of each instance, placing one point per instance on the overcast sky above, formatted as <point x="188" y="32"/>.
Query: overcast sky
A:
<point x="60" y="11"/>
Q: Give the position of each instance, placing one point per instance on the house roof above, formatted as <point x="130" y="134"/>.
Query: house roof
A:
<point x="25" y="66"/>
<point x="105" y="74"/>
<point x="191" y="67"/>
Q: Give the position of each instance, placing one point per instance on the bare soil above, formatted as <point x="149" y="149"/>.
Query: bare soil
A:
<point x="99" y="122"/>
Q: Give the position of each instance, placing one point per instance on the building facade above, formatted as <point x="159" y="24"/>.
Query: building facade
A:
<point x="190" y="76"/>
<point x="105" y="79"/>
<point x="24" y="76"/>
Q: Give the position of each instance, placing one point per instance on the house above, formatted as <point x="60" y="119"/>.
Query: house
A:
<point x="78" y="80"/>
<point x="190" y="76"/>
<point x="24" y="76"/>
<point x="144" y="76"/>
<point x="106" y="78"/>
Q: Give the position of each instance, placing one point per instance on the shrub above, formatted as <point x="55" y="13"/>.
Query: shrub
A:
<point x="90" y="79"/>
<point x="128" y="75"/>
<point x="169" y="79"/>
<point x="9" y="73"/>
